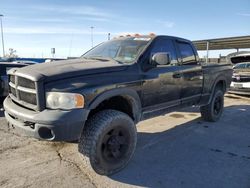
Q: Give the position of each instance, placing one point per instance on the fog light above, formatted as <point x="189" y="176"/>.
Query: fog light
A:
<point x="46" y="133"/>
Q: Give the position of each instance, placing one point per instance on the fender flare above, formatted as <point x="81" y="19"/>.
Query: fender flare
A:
<point x="129" y="94"/>
<point x="217" y="80"/>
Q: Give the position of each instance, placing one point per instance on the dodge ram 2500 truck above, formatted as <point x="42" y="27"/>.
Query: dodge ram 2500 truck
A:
<point x="98" y="98"/>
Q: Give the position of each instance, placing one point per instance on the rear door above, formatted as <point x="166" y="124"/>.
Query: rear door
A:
<point x="191" y="73"/>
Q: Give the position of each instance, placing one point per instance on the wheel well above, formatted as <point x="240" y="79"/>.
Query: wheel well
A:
<point x="120" y="103"/>
<point x="221" y="85"/>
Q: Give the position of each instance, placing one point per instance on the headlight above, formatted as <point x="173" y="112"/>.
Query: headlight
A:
<point x="58" y="100"/>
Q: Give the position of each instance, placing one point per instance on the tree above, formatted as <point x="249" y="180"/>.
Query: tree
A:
<point x="11" y="54"/>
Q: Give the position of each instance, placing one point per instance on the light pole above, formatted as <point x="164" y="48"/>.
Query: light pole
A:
<point x="92" y="36"/>
<point x="2" y="33"/>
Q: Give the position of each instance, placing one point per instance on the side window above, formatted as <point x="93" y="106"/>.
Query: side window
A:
<point x="165" y="45"/>
<point x="187" y="53"/>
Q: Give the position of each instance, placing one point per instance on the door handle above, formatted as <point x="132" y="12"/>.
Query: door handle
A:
<point x="177" y="75"/>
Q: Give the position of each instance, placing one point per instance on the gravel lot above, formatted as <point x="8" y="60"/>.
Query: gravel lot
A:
<point x="176" y="150"/>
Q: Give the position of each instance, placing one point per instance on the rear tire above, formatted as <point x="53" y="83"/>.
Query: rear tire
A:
<point x="213" y="111"/>
<point x="108" y="141"/>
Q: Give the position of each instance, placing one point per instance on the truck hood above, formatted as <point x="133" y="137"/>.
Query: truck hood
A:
<point x="68" y="68"/>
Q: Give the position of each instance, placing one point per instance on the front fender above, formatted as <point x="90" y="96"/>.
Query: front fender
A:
<point x="129" y="94"/>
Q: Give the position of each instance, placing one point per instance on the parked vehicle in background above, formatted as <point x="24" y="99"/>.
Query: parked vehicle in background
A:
<point x="25" y="62"/>
<point x="241" y="79"/>
<point x="4" y="83"/>
<point x="241" y="73"/>
<point x="28" y="60"/>
<point x="98" y="98"/>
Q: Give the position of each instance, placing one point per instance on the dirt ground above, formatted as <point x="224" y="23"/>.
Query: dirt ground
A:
<point x="175" y="150"/>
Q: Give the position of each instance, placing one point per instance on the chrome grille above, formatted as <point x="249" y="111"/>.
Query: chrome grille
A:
<point x="28" y="97"/>
<point x="12" y="79"/>
<point x="241" y="79"/>
<point x="13" y="91"/>
<point x="24" y="82"/>
<point x="23" y="90"/>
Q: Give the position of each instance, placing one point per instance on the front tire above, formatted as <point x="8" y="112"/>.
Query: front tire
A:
<point x="108" y="141"/>
<point x="213" y="111"/>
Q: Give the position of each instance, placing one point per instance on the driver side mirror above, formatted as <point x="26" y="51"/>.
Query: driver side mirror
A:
<point x="161" y="58"/>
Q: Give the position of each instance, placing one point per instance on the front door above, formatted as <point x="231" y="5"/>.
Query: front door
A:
<point x="161" y="84"/>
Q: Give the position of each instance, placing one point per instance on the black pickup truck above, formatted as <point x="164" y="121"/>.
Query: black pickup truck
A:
<point x="98" y="98"/>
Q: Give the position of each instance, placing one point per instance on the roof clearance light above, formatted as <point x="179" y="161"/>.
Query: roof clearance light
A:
<point x="137" y="35"/>
<point x="128" y="35"/>
<point x="151" y="34"/>
<point x="121" y="36"/>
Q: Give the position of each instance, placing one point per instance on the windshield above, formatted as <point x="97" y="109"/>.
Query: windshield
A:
<point x="124" y="51"/>
<point x="242" y="66"/>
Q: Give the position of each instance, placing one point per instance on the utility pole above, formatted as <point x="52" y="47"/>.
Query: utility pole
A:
<point x="2" y="33"/>
<point x="92" y="40"/>
<point x="207" y="58"/>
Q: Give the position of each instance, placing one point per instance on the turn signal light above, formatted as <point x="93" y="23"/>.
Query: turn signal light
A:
<point x="79" y="100"/>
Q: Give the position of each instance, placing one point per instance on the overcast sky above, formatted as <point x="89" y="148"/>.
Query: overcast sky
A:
<point x="33" y="27"/>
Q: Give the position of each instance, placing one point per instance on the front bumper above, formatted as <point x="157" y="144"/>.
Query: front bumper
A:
<point x="242" y="88"/>
<point x="53" y="125"/>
